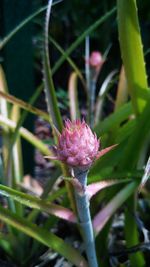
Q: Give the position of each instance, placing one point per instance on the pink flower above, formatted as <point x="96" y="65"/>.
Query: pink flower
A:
<point x="78" y="146"/>
<point x="96" y="60"/>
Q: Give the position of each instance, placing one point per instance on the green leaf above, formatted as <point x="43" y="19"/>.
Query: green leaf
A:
<point x="114" y="119"/>
<point x="34" y="202"/>
<point x="73" y="98"/>
<point x="27" y="136"/>
<point x="16" y="101"/>
<point x="136" y="140"/>
<point x="105" y="214"/>
<point x="51" y="98"/>
<point x="45" y="237"/>
<point x="132" y="51"/>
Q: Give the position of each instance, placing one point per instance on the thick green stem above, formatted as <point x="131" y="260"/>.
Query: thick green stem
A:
<point x="85" y="222"/>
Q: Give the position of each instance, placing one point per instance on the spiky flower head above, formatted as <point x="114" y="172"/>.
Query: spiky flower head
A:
<point x="77" y="145"/>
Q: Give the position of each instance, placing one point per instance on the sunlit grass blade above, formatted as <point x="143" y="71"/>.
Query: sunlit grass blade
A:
<point x="15" y="144"/>
<point x="4" y="112"/>
<point x="45" y="237"/>
<point x="26" y="106"/>
<point x="17" y="149"/>
<point x="79" y="40"/>
<point x="27" y="136"/>
<point x="73" y="96"/>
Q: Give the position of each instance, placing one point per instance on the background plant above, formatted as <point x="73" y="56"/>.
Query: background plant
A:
<point x="124" y="111"/>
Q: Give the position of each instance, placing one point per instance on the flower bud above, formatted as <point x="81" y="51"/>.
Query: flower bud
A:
<point x="96" y="59"/>
<point x="77" y="145"/>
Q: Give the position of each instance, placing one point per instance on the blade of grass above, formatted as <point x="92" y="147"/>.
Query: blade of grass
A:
<point x="50" y="93"/>
<point x="27" y="136"/>
<point x="14" y="143"/>
<point x="45" y="237"/>
<point x="16" y="161"/>
<point x="4" y="112"/>
<point x="37" y="203"/>
<point x="51" y="98"/>
<point x="26" y="106"/>
<point x="101" y="96"/>
<point x="17" y="151"/>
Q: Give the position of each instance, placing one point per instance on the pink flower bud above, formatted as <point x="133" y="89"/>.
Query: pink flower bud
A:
<point x="77" y="145"/>
<point x="96" y="60"/>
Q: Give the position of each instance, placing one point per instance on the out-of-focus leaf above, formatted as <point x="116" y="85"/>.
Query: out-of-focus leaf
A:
<point x="45" y="237"/>
<point x="114" y="119"/>
<point x="126" y="130"/>
<point x="102" y="152"/>
<point x="136" y="140"/>
<point x="4" y="111"/>
<point x="146" y="174"/>
<point x="36" y="203"/>
<point x="101" y="96"/>
<point x="94" y="188"/>
<point x="106" y="163"/>
<point x="27" y="135"/>
<point x="73" y="98"/>
<point x="24" y="105"/>
<point x="122" y="90"/>
<point x="105" y="214"/>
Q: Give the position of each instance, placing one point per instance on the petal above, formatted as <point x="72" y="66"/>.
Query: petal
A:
<point x="105" y="150"/>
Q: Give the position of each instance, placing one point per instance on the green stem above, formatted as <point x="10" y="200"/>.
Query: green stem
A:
<point x="82" y="202"/>
<point x="92" y="90"/>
